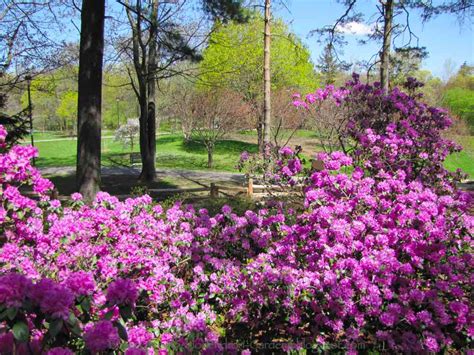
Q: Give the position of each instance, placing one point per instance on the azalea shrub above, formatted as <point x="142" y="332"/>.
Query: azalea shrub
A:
<point x="275" y="165"/>
<point x="376" y="259"/>
<point x="385" y="131"/>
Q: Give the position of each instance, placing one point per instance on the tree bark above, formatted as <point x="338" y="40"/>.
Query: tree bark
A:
<point x="90" y="98"/>
<point x="210" y="156"/>
<point x="386" y="45"/>
<point x="145" y="63"/>
<point x="266" y="76"/>
<point x="260" y="143"/>
<point x="148" y="159"/>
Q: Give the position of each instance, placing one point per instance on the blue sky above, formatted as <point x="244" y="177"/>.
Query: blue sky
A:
<point x="443" y="37"/>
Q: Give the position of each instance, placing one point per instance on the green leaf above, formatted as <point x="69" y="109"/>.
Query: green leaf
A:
<point x="21" y="332"/>
<point x="76" y="330"/>
<point x="125" y="312"/>
<point x="55" y="327"/>
<point x="11" y="313"/>
<point x="122" y="331"/>
<point x="86" y="305"/>
<point x="72" y="320"/>
<point x="4" y="314"/>
<point x="109" y="314"/>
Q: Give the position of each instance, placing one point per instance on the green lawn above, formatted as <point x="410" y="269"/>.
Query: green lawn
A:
<point x="302" y="133"/>
<point x="172" y="152"/>
<point x="464" y="159"/>
<point x="38" y="135"/>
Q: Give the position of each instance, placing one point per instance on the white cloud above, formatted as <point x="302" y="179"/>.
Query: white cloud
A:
<point x="356" y="28"/>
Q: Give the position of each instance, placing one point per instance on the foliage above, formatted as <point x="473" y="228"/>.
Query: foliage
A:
<point x="461" y="103"/>
<point x="330" y="66"/>
<point x="405" y="62"/>
<point x="67" y="109"/>
<point x="54" y="98"/>
<point x="459" y="94"/>
<point x="17" y="124"/>
<point x="234" y="59"/>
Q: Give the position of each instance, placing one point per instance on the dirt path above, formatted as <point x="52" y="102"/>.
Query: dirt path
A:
<point x="161" y="173"/>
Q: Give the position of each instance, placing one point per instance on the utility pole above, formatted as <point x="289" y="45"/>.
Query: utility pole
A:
<point x="30" y="113"/>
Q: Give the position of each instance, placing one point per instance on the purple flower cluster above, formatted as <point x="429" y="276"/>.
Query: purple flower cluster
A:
<point x="122" y="292"/>
<point x="101" y="337"/>
<point x="54" y="299"/>
<point x="13" y="289"/>
<point x="81" y="283"/>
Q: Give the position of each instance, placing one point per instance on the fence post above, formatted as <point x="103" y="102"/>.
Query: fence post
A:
<point x="214" y="190"/>
<point x="54" y="194"/>
<point x="317" y="165"/>
<point x="250" y="187"/>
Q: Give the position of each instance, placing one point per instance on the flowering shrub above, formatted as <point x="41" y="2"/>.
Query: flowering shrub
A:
<point x="274" y="166"/>
<point x="127" y="133"/>
<point x="390" y="132"/>
<point x="377" y="259"/>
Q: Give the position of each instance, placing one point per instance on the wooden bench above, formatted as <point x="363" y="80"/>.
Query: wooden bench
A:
<point x="135" y="159"/>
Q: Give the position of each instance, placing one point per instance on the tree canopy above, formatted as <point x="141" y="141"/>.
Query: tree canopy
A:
<point x="234" y="59"/>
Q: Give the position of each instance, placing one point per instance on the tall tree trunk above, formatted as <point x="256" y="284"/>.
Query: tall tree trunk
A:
<point x="148" y="162"/>
<point x="90" y="98"/>
<point x="387" y="38"/>
<point x="145" y="63"/>
<point x="266" y="76"/>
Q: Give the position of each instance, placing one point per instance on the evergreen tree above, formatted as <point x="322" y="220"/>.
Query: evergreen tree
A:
<point x="328" y="65"/>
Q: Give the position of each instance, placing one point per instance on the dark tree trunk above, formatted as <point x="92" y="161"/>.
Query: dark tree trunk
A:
<point x="148" y="163"/>
<point x="145" y="63"/>
<point x="387" y="38"/>
<point x="149" y="152"/>
<point x="90" y="98"/>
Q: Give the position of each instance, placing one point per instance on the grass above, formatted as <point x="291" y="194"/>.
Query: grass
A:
<point x="302" y="133"/>
<point x="172" y="152"/>
<point x="463" y="160"/>
<point x="38" y="135"/>
<point x="113" y="184"/>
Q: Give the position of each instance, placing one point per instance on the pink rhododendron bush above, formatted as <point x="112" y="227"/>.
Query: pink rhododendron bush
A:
<point x="374" y="260"/>
<point x="390" y="132"/>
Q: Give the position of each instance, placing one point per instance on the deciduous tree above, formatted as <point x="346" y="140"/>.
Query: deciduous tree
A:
<point x="217" y="113"/>
<point x="234" y="59"/>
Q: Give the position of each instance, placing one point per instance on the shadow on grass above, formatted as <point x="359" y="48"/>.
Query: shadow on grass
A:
<point x="116" y="159"/>
<point x="113" y="184"/>
<point x="222" y="147"/>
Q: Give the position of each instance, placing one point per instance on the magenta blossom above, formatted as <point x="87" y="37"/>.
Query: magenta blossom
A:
<point x="13" y="289"/>
<point x="122" y="292"/>
<point x="102" y="336"/>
